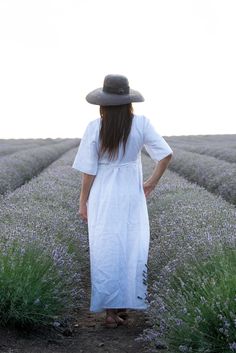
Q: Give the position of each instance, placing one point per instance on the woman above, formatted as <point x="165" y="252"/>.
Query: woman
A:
<point x="113" y="198"/>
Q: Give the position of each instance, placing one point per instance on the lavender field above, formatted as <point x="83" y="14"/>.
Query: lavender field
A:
<point x="44" y="261"/>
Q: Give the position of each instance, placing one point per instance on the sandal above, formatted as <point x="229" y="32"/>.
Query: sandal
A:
<point x="116" y="321"/>
<point x="122" y="313"/>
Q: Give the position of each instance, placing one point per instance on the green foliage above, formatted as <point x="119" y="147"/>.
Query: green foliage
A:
<point x="201" y="306"/>
<point x="31" y="287"/>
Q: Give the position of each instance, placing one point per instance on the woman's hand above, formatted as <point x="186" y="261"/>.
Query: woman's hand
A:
<point x="83" y="212"/>
<point x="148" y="187"/>
<point x="87" y="181"/>
<point x="152" y="181"/>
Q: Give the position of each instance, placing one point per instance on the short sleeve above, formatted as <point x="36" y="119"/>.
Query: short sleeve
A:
<point x="154" y="143"/>
<point x="86" y="159"/>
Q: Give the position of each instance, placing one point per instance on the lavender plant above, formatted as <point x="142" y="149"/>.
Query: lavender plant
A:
<point x="30" y="286"/>
<point x="200" y="309"/>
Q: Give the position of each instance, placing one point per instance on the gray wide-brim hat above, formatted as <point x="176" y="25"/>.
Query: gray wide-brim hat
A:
<point x="115" y="91"/>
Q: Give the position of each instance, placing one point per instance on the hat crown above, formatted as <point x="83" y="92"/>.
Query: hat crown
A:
<point x="115" y="91"/>
<point x="116" y="84"/>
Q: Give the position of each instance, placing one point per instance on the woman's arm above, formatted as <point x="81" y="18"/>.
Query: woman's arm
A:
<point x="87" y="181"/>
<point x="152" y="181"/>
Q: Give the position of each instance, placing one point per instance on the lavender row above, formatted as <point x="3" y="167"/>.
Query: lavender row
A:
<point x="22" y="166"/>
<point x="220" y="140"/>
<point x="44" y="211"/>
<point x="220" y="152"/>
<point x="215" y="175"/>
<point x="186" y="222"/>
<point x="8" y="147"/>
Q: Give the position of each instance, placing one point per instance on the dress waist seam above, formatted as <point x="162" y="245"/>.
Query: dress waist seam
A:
<point x="113" y="165"/>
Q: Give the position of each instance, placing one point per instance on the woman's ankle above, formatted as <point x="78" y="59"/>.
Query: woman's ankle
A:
<point x="111" y="311"/>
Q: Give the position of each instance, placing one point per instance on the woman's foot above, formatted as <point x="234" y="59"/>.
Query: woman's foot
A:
<point x="122" y="313"/>
<point x="112" y="319"/>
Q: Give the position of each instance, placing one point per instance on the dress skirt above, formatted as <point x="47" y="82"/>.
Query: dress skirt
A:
<point x="119" y="235"/>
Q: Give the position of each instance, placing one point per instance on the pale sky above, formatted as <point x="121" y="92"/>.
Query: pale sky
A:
<point x="180" y="54"/>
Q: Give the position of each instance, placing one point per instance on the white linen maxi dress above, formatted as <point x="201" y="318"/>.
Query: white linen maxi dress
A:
<point x="118" y="223"/>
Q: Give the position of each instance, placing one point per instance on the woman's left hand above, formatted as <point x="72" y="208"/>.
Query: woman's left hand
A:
<point x="83" y="212"/>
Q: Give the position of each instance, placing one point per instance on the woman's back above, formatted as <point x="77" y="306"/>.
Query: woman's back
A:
<point x="142" y="134"/>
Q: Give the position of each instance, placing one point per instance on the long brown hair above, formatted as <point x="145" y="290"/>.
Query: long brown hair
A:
<point x="116" y="121"/>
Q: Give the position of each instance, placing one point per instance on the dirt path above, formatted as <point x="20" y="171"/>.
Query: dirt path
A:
<point x="85" y="333"/>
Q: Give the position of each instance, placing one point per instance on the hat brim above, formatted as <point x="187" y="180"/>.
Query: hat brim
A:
<point x="99" y="97"/>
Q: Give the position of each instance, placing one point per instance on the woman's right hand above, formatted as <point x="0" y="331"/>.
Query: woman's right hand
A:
<point x="148" y="187"/>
